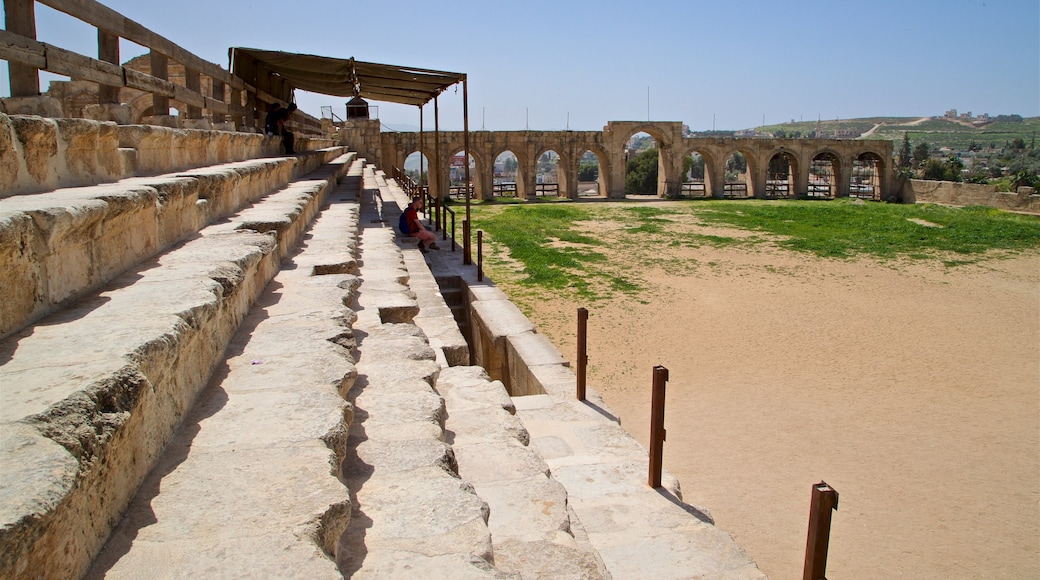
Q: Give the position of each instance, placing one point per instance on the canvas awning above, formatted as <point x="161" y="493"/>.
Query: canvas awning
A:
<point x="341" y="77"/>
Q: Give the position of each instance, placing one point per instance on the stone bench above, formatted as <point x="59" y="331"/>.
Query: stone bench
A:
<point x="412" y="514"/>
<point x="62" y="244"/>
<point x="532" y="531"/>
<point x="273" y="419"/>
<point x="40" y="154"/>
<point x="94" y="392"/>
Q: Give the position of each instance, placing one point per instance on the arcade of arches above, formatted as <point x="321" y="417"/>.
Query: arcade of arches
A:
<point x="775" y="167"/>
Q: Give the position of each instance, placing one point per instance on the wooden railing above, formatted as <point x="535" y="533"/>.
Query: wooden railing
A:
<point x="246" y="105"/>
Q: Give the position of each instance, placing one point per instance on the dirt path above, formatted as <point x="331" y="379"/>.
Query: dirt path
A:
<point x="913" y="389"/>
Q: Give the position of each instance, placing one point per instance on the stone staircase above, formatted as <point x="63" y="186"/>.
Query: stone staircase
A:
<point x="237" y="369"/>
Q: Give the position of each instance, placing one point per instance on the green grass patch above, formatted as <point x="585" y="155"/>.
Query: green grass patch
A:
<point x="844" y="228"/>
<point x="549" y="247"/>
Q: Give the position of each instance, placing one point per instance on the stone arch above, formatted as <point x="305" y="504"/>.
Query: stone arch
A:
<point x="707" y="185"/>
<point x="563" y="161"/>
<point x="868" y="170"/>
<point x="665" y="165"/>
<point x="479" y="169"/>
<point x="603" y="174"/>
<point x="505" y="185"/>
<point x="781" y="175"/>
<point x="729" y="188"/>
<point x="825" y="171"/>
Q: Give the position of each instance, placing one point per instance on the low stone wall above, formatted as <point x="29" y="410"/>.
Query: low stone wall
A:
<point x="963" y="194"/>
<point x="39" y="154"/>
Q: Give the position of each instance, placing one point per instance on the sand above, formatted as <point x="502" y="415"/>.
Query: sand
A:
<point x="911" y="388"/>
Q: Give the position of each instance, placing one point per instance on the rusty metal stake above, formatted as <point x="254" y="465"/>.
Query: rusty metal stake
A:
<point x="467" y="257"/>
<point x="657" y="432"/>
<point x="583" y="357"/>
<point x="480" y="255"/>
<point x="824" y="501"/>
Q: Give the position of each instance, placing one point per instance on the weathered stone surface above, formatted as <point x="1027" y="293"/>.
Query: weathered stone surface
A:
<point x="548" y="559"/>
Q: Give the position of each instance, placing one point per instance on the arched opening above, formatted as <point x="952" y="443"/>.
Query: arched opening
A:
<point x="416" y="173"/>
<point x="590" y="175"/>
<point x="737" y="179"/>
<point x="457" y="176"/>
<point x="547" y="174"/>
<point x="866" y="177"/>
<point x="643" y="170"/>
<point x="822" y="176"/>
<point x="503" y="183"/>
<point x="780" y="176"/>
<point x="696" y="183"/>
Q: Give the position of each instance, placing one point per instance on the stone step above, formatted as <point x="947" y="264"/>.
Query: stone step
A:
<point x="531" y="527"/>
<point x="94" y="392"/>
<point x="251" y="481"/>
<point x="40" y="154"/>
<point x="636" y="530"/>
<point x="64" y="244"/>
<point x="412" y="515"/>
<point x="436" y="319"/>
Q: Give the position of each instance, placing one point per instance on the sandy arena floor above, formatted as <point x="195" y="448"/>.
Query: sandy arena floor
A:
<point x="911" y="388"/>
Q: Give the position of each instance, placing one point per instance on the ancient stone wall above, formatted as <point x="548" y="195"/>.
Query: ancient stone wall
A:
<point x="963" y="194"/>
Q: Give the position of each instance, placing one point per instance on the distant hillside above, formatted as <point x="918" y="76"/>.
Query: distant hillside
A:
<point x="937" y="132"/>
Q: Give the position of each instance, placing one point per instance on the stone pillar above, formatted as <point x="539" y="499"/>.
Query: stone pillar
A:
<point x="20" y="18"/>
<point x="844" y="180"/>
<point x="669" y="169"/>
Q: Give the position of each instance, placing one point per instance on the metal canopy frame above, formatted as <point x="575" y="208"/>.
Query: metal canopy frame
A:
<point x="349" y="77"/>
<point x="380" y="82"/>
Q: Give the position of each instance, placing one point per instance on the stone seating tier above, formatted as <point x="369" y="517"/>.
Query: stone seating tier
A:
<point x="84" y="420"/>
<point x="59" y="245"/>
<point x="43" y="154"/>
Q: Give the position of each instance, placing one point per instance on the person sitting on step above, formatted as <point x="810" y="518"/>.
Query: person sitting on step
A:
<point x="416" y="228"/>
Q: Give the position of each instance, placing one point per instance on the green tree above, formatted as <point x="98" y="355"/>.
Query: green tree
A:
<point x="693" y="167"/>
<point x="953" y="168"/>
<point x="921" y="153"/>
<point x="588" y="171"/>
<point x="933" y="169"/>
<point x="641" y="173"/>
<point x="905" y="155"/>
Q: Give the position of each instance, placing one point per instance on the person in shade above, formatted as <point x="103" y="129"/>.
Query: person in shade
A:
<point x="416" y="228"/>
<point x="274" y="124"/>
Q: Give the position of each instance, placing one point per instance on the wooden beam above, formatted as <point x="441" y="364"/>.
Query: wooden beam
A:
<point x="20" y="18"/>
<point x="103" y="17"/>
<point x="160" y="70"/>
<point x="16" y="48"/>
<point x="192" y="83"/>
<point x="77" y="66"/>
<point x="108" y="51"/>
<point x="149" y="84"/>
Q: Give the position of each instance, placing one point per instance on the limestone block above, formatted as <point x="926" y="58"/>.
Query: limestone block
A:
<point x="532" y="508"/>
<point x="200" y="124"/>
<point x="378" y="459"/>
<point x="492" y="322"/>
<point x="39" y="144"/>
<point x="547" y="559"/>
<point x="23" y="284"/>
<point x="40" y="106"/>
<point x="405" y="564"/>
<point x="119" y="114"/>
<point x="429" y="513"/>
<point x="525" y="352"/>
<point x="492" y="462"/>
<point x="9" y="158"/>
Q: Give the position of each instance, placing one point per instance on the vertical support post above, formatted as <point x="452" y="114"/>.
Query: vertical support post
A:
<point x="192" y="82"/>
<point x="421" y="157"/>
<point x="583" y="357"/>
<point x="217" y="93"/>
<point x="465" y="239"/>
<point x="480" y="255"/>
<point x="437" y="167"/>
<point x="108" y="51"/>
<point x="160" y="104"/>
<point x="824" y="501"/>
<point x="657" y="432"/>
<point x="467" y="256"/>
<point x="237" y="109"/>
<point x="20" y="18"/>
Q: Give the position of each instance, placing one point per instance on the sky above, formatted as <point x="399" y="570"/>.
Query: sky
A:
<point x="577" y="64"/>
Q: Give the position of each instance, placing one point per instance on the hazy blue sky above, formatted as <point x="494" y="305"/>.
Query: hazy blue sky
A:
<point x="534" y="63"/>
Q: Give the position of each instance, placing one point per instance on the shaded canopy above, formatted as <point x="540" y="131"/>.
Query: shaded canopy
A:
<point x="340" y="77"/>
